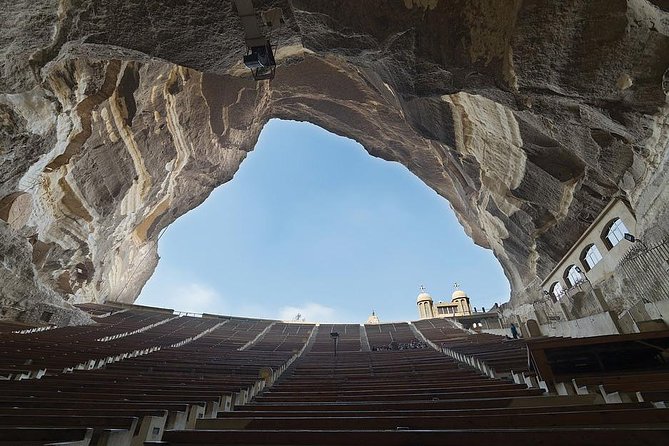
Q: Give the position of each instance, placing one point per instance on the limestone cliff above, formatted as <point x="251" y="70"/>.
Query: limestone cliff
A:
<point x="117" y="117"/>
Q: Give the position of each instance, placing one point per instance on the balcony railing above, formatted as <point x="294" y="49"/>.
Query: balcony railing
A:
<point x="647" y="268"/>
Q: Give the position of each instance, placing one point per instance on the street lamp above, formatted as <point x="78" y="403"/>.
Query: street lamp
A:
<point x="335" y="337"/>
<point x="580" y="271"/>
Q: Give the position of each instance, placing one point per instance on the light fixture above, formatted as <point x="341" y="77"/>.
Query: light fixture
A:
<point x="629" y="237"/>
<point x="335" y="337"/>
<point x="260" y="60"/>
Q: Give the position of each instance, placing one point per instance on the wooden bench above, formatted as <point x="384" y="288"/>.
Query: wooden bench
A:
<point x="364" y="421"/>
<point x="107" y="431"/>
<point x="622" y="436"/>
<point x="314" y="412"/>
<point x="173" y="412"/>
<point x="563" y="359"/>
<point x="451" y="395"/>
<point x="526" y="401"/>
<point x="24" y="436"/>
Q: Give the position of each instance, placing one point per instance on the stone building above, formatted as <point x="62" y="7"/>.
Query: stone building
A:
<point x="596" y="254"/>
<point x="458" y="306"/>
<point x="610" y="281"/>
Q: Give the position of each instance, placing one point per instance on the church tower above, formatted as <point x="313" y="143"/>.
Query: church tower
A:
<point x="460" y="298"/>
<point x="424" y="302"/>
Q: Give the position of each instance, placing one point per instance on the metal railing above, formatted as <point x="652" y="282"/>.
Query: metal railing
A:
<point x="647" y="269"/>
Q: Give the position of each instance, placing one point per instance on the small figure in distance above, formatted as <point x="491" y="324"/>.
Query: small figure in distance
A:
<point x="514" y="331"/>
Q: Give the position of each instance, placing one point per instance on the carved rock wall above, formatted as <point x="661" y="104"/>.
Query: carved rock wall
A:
<point x="527" y="116"/>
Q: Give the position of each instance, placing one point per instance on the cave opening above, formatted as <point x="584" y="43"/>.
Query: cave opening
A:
<point x="313" y="225"/>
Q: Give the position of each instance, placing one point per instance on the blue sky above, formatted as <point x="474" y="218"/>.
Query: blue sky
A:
<point x="312" y="224"/>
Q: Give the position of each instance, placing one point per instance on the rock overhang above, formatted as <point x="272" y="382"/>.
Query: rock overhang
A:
<point x="527" y="117"/>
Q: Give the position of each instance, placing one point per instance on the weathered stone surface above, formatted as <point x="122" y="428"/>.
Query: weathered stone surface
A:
<point x="24" y="297"/>
<point x="117" y="117"/>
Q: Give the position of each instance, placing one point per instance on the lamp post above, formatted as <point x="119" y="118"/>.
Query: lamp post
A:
<point x="335" y="337"/>
<point x="634" y="239"/>
<point x="580" y="271"/>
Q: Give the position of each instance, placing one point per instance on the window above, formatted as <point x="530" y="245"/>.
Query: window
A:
<point x="557" y="290"/>
<point x="446" y="310"/>
<point x="572" y="276"/>
<point x="614" y="232"/>
<point x="590" y="257"/>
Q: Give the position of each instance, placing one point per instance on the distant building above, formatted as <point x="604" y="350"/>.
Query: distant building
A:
<point x="459" y="309"/>
<point x="458" y="306"/>
<point x="373" y="319"/>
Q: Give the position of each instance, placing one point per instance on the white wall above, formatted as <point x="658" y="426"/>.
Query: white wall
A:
<point x="610" y="258"/>
<point x="595" y="325"/>
<point x="659" y="310"/>
<point x="497" y="331"/>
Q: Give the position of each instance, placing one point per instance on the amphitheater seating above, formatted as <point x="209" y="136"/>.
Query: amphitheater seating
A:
<point x="196" y="370"/>
<point x="9" y="326"/>
<point x="284" y="337"/>
<point x="559" y="359"/>
<point x="54" y="351"/>
<point x="19" y="436"/>
<point x="235" y="334"/>
<point x="383" y="336"/>
<point x="215" y="380"/>
<point x="613" y="366"/>
<point x="499" y="353"/>
<point x="553" y="436"/>
<point x="417" y="397"/>
<point x="625" y="367"/>
<point x="101" y="310"/>
<point x="348" y="341"/>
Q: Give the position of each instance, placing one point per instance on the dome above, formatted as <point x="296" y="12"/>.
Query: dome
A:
<point x="373" y="319"/>
<point x="458" y="294"/>
<point x="422" y="297"/>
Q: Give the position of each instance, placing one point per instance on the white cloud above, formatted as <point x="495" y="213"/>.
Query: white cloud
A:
<point x="192" y="297"/>
<point x="199" y="298"/>
<point x="310" y="311"/>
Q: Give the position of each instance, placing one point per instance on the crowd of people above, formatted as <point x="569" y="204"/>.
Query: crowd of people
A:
<point x="394" y="345"/>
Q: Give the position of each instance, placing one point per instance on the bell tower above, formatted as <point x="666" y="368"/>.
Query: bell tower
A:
<point x="424" y="302"/>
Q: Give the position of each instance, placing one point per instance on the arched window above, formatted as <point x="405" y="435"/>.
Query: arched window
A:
<point x="590" y="256"/>
<point x="557" y="290"/>
<point x="614" y="232"/>
<point x="572" y="276"/>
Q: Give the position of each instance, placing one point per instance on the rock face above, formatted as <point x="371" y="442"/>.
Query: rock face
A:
<point x="117" y="117"/>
